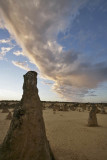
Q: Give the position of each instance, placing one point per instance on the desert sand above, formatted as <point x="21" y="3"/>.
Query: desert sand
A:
<point x="69" y="136"/>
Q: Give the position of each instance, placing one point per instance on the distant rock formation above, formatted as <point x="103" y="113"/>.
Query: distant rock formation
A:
<point x="65" y="107"/>
<point x="26" y="138"/>
<point x="54" y="110"/>
<point x="102" y="110"/>
<point x="9" y="116"/>
<point x="5" y="110"/>
<point x="92" y="121"/>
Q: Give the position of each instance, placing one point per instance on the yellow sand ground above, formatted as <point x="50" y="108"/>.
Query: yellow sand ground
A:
<point x="69" y="136"/>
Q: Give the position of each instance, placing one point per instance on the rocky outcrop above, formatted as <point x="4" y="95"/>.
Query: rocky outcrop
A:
<point x="92" y="121"/>
<point x="26" y="138"/>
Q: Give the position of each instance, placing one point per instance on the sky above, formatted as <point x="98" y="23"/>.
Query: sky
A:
<point x="64" y="41"/>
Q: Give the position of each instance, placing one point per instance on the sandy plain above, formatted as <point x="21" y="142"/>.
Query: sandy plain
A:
<point x="69" y="136"/>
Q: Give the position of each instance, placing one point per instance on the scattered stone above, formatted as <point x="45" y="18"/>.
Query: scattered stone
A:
<point x="73" y="108"/>
<point x="5" y="110"/>
<point x="60" y="108"/>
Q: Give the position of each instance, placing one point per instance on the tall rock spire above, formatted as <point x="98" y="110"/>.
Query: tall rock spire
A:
<point x="26" y="138"/>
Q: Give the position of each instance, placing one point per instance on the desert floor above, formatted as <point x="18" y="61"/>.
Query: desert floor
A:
<point x="69" y="136"/>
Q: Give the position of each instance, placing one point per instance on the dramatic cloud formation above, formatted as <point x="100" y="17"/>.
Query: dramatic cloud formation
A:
<point x="22" y="65"/>
<point x="36" y="25"/>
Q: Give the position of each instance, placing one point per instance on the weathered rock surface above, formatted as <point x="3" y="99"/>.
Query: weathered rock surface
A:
<point x="26" y="138"/>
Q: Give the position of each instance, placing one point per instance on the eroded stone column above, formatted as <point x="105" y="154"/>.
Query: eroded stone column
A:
<point x="92" y="120"/>
<point x="26" y="138"/>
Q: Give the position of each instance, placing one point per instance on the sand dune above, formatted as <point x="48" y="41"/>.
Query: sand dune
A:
<point x="69" y="136"/>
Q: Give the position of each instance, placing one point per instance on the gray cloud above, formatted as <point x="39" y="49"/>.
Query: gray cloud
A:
<point x="35" y="25"/>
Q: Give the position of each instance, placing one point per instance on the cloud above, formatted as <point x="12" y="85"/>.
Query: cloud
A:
<point x="36" y="25"/>
<point x="5" y="40"/>
<point x="18" y="53"/>
<point x="68" y="92"/>
<point x="22" y="65"/>
<point x="3" y="51"/>
<point x="47" y="83"/>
